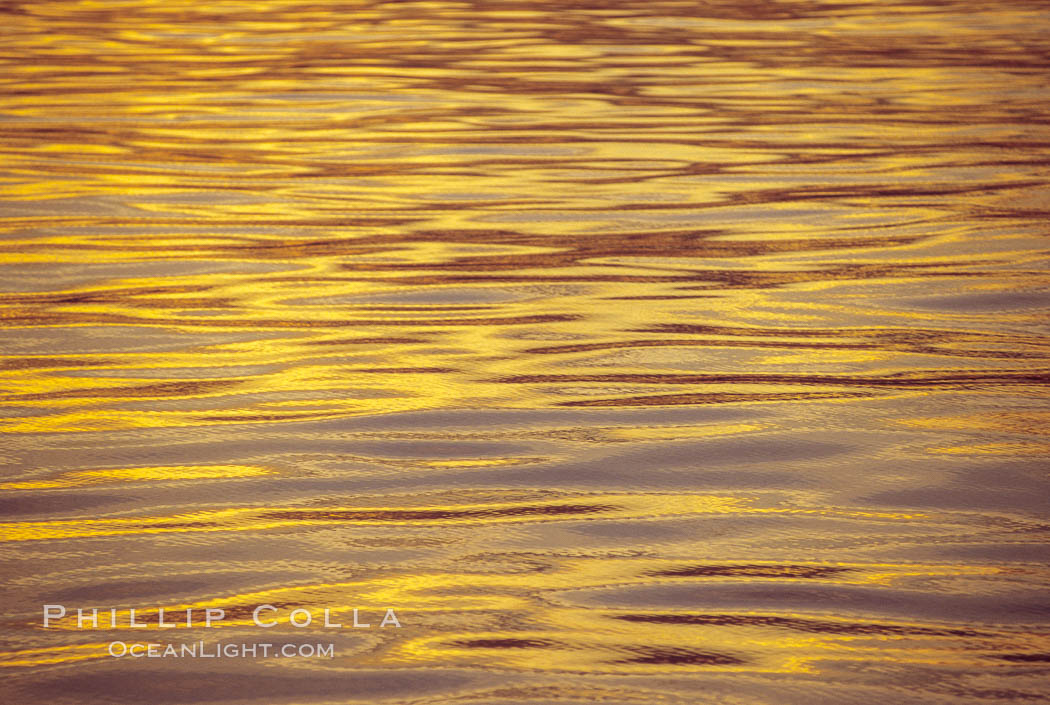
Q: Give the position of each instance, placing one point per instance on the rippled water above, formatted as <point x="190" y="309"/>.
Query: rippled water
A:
<point x="634" y="352"/>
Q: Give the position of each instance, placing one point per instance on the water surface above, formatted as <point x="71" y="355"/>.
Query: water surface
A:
<point x="634" y="352"/>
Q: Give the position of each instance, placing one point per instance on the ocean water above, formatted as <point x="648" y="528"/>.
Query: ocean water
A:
<point x="634" y="353"/>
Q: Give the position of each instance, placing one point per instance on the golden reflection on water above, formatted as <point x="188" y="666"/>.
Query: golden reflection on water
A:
<point x="700" y="342"/>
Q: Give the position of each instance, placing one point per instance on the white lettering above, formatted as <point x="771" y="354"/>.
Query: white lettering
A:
<point x="327" y="622"/>
<point x="295" y="623"/>
<point x="160" y="620"/>
<point x="255" y="615"/>
<point x="133" y="623"/>
<point x="49" y="613"/>
<point x="390" y="618"/>
<point x="213" y="614"/>
<point x="81" y="620"/>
